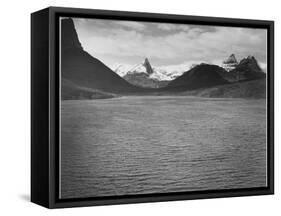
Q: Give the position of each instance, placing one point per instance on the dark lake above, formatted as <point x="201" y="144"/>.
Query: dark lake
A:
<point x="159" y="144"/>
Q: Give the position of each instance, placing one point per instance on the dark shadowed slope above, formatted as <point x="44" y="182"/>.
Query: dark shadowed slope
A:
<point x="245" y="89"/>
<point x="71" y="91"/>
<point x="84" y="70"/>
<point x="201" y="76"/>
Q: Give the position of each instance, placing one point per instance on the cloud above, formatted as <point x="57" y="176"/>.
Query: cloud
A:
<point x="132" y="25"/>
<point x="169" y="44"/>
<point x="173" y="27"/>
<point x="263" y="66"/>
<point x="166" y="27"/>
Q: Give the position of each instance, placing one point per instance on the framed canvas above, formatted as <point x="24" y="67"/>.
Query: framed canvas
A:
<point x="139" y="107"/>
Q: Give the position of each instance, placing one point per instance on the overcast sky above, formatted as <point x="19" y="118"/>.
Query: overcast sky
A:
<point x="129" y="42"/>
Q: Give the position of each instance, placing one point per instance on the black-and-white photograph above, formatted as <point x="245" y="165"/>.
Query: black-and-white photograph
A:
<point x="152" y="108"/>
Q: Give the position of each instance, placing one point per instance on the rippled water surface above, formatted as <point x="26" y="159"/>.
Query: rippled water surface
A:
<point x="158" y="144"/>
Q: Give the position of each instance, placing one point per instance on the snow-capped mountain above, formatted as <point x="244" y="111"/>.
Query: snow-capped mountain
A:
<point x="121" y="69"/>
<point x="230" y="63"/>
<point x="171" y="72"/>
<point x="247" y="68"/>
<point x="145" y="75"/>
<point x="124" y="69"/>
<point x="163" y="73"/>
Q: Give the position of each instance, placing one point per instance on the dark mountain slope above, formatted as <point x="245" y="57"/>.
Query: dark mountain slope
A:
<point x="71" y="91"/>
<point x="244" y="89"/>
<point x="201" y="76"/>
<point x="84" y="70"/>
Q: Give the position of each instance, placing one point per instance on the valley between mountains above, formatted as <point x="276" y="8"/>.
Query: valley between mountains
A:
<point x="86" y="77"/>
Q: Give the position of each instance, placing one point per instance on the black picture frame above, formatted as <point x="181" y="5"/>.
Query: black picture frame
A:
<point x="45" y="83"/>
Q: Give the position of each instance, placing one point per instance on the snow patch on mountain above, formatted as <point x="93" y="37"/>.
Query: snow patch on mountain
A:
<point x="121" y="69"/>
<point x="138" y="68"/>
<point x="174" y="71"/>
<point x="230" y="63"/>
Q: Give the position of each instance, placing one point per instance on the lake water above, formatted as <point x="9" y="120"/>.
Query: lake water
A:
<point x="159" y="144"/>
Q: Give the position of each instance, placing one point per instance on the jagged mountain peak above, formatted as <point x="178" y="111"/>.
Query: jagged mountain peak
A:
<point x="147" y="66"/>
<point x="144" y="67"/>
<point x="230" y="63"/>
<point x="250" y="62"/>
<point x="249" y="58"/>
<point x="231" y="59"/>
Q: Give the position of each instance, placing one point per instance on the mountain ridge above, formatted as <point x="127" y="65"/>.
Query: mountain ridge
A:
<point x="157" y="73"/>
<point x="200" y="76"/>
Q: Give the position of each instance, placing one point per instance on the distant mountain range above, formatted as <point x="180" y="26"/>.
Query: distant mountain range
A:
<point x="163" y="73"/>
<point x="144" y="75"/>
<point x="85" y="77"/>
<point x="247" y="69"/>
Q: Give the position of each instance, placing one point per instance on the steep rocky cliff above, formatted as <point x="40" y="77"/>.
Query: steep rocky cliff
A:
<point x="84" y="70"/>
